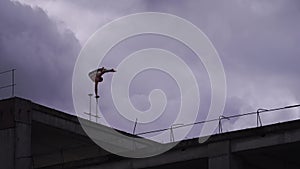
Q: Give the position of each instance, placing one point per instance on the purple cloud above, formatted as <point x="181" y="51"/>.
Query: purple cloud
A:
<point x="256" y="40"/>
<point x="43" y="55"/>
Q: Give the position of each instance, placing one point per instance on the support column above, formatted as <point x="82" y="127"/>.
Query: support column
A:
<point x="7" y="134"/>
<point x="23" y="158"/>
<point x="15" y="134"/>
<point x="220" y="156"/>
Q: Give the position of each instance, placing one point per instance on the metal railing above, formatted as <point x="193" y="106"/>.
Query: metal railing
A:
<point x="12" y="84"/>
<point x="219" y="120"/>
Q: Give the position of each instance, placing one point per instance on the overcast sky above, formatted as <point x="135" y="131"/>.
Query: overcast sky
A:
<point x="258" y="43"/>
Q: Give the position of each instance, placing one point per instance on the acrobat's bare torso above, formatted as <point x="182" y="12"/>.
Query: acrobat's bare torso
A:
<point x="99" y="78"/>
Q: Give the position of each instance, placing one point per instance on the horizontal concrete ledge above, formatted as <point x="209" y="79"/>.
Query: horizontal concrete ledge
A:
<point x="115" y="162"/>
<point x="269" y="139"/>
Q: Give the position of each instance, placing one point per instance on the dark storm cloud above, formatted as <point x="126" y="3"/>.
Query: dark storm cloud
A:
<point x="262" y="36"/>
<point x="254" y="38"/>
<point x="258" y="42"/>
<point x="43" y="55"/>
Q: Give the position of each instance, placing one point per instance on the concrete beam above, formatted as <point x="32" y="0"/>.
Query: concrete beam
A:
<point x="266" y="140"/>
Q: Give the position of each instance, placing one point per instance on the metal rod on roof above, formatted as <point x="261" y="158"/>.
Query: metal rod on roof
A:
<point x="220" y="122"/>
<point x="233" y="116"/>
<point x="172" y="136"/>
<point x="6" y="71"/>
<point x="13" y="83"/>
<point x="136" y="120"/>
<point x="2" y="87"/>
<point x="258" y="119"/>
<point x="90" y="106"/>
<point x="96" y="110"/>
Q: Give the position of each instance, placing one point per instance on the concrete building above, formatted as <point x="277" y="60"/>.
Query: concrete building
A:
<point x="34" y="136"/>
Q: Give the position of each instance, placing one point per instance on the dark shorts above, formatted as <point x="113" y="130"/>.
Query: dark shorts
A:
<point x="100" y="79"/>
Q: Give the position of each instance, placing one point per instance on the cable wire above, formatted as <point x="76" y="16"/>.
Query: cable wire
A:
<point x="259" y="111"/>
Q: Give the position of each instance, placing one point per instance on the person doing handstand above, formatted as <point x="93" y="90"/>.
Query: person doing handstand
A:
<point x="99" y="77"/>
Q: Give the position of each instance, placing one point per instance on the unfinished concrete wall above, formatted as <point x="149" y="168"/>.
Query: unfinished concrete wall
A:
<point x="34" y="136"/>
<point x="15" y="134"/>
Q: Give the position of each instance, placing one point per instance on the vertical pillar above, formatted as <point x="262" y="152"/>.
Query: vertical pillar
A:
<point x="220" y="156"/>
<point x="7" y="134"/>
<point x="15" y="134"/>
<point x="23" y="158"/>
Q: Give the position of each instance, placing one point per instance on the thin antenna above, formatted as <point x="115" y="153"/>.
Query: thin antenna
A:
<point x="12" y="85"/>
<point x="136" y="120"/>
<point x="220" y="122"/>
<point x="13" y="82"/>
<point x="90" y="107"/>
<point x="134" y="143"/>
<point x="172" y="137"/>
<point x="97" y="111"/>
<point x="222" y="117"/>
<point x="258" y="119"/>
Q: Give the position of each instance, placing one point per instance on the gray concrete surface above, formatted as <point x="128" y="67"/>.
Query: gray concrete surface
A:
<point x="34" y="136"/>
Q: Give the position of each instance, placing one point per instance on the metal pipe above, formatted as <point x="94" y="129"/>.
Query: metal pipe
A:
<point x="90" y="106"/>
<point x="13" y="83"/>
